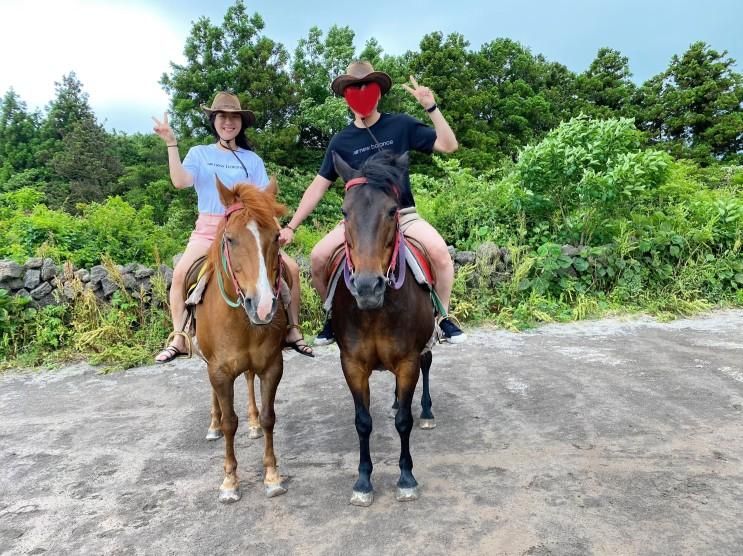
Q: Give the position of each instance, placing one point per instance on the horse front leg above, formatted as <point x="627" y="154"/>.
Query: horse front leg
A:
<point x="215" y="425"/>
<point x="357" y="378"/>
<point x="426" y="420"/>
<point x="270" y="379"/>
<point x="254" y="424"/>
<point x="407" y="378"/>
<point x="224" y="387"/>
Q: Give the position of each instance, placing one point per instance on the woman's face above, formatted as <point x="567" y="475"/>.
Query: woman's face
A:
<point x="228" y="125"/>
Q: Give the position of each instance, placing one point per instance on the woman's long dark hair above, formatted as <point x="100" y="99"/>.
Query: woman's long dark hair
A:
<point x="240" y="139"/>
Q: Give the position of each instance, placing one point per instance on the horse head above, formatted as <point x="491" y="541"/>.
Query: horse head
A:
<point x="246" y="253"/>
<point x="370" y="212"/>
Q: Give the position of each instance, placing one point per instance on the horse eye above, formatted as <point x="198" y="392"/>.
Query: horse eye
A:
<point x="344" y="213"/>
<point x="276" y="238"/>
<point x="391" y="213"/>
<point x="228" y="238"/>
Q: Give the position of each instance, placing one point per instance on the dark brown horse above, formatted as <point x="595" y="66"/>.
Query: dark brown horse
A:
<point x="240" y="325"/>
<point x="380" y="319"/>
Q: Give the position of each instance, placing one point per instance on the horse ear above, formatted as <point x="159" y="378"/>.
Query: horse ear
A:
<point x="273" y="187"/>
<point x="403" y="161"/>
<point x="344" y="170"/>
<point x="226" y="196"/>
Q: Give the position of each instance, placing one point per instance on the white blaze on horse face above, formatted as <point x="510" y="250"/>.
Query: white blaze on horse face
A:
<point x="262" y="286"/>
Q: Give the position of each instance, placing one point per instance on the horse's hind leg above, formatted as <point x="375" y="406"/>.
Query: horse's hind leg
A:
<point x="224" y="387"/>
<point x="269" y="383"/>
<point x="254" y="424"/>
<point x="407" y="378"/>
<point x="215" y="428"/>
<point x="426" y="420"/>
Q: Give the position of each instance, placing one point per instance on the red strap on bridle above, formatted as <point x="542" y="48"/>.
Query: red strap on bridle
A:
<point x="232" y="208"/>
<point x="356" y="181"/>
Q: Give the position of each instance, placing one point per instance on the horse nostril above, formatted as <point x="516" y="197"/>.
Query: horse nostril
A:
<point x="379" y="286"/>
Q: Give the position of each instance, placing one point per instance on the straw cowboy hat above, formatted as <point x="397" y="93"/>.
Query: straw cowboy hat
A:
<point x="227" y="102"/>
<point x="361" y="72"/>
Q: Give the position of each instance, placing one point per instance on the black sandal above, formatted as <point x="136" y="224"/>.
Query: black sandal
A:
<point x="171" y="352"/>
<point x="302" y="347"/>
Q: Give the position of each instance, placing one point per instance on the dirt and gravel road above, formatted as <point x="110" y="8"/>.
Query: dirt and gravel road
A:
<point x="605" y="437"/>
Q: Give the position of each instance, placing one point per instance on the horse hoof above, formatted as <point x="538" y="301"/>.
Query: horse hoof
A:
<point x="214" y="434"/>
<point x="406" y="494"/>
<point x="427" y="423"/>
<point x="275" y="490"/>
<point x="255" y="432"/>
<point x="362" y="498"/>
<point x="229" y="496"/>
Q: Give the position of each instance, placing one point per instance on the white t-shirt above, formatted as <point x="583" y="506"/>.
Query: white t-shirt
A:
<point x="204" y="162"/>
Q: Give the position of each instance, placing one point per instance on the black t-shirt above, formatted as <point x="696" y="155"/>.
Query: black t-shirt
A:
<point x="398" y="133"/>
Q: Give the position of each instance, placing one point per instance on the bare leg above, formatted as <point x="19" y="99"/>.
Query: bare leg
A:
<point x="294" y="333"/>
<point x="443" y="266"/>
<point x="320" y="256"/>
<point x="193" y="251"/>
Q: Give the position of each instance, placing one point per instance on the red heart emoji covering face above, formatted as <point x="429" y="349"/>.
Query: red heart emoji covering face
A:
<point x="362" y="98"/>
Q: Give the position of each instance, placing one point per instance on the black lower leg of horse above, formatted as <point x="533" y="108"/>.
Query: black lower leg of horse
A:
<point x="426" y="403"/>
<point x="404" y="424"/>
<point x="364" y="429"/>
<point x="395" y="405"/>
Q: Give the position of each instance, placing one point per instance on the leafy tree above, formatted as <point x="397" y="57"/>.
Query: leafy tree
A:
<point x="86" y="163"/>
<point x="234" y="56"/>
<point x="69" y="107"/>
<point x="18" y="136"/>
<point x="695" y="107"/>
<point x="606" y="87"/>
<point x="316" y="63"/>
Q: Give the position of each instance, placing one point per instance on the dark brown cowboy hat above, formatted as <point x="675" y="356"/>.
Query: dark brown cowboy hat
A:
<point x="227" y="102"/>
<point x="361" y="72"/>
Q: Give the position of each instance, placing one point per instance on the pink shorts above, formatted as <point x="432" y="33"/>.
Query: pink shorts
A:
<point x="205" y="230"/>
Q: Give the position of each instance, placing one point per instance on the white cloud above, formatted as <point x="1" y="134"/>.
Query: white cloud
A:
<point x="118" y="51"/>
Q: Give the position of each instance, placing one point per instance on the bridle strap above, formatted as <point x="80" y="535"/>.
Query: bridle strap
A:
<point x="227" y="263"/>
<point x="361" y="180"/>
<point x="397" y="252"/>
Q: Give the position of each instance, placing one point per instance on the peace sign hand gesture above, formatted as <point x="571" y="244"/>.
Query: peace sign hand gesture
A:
<point x="423" y="95"/>
<point x="164" y="130"/>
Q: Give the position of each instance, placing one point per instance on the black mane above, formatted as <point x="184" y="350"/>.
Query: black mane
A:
<point x="383" y="172"/>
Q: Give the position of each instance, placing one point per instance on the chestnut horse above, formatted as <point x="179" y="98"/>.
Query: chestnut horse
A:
<point x="380" y="320"/>
<point x="241" y="324"/>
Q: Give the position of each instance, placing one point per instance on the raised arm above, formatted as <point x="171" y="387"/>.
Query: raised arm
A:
<point x="178" y="174"/>
<point x="446" y="141"/>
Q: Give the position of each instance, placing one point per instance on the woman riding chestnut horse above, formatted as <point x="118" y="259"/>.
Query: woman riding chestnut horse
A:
<point x="241" y="323"/>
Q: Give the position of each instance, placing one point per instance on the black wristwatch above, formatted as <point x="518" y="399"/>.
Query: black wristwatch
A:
<point x="432" y="108"/>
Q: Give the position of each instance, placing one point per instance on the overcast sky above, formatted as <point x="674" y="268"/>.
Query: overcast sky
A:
<point x="120" y="48"/>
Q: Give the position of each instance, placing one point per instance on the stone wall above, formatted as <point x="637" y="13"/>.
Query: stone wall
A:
<point x="46" y="283"/>
<point x="41" y="278"/>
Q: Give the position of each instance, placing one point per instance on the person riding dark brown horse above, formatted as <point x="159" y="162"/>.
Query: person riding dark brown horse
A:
<point x="382" y="318"/>
<point x="240" y="325"/>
